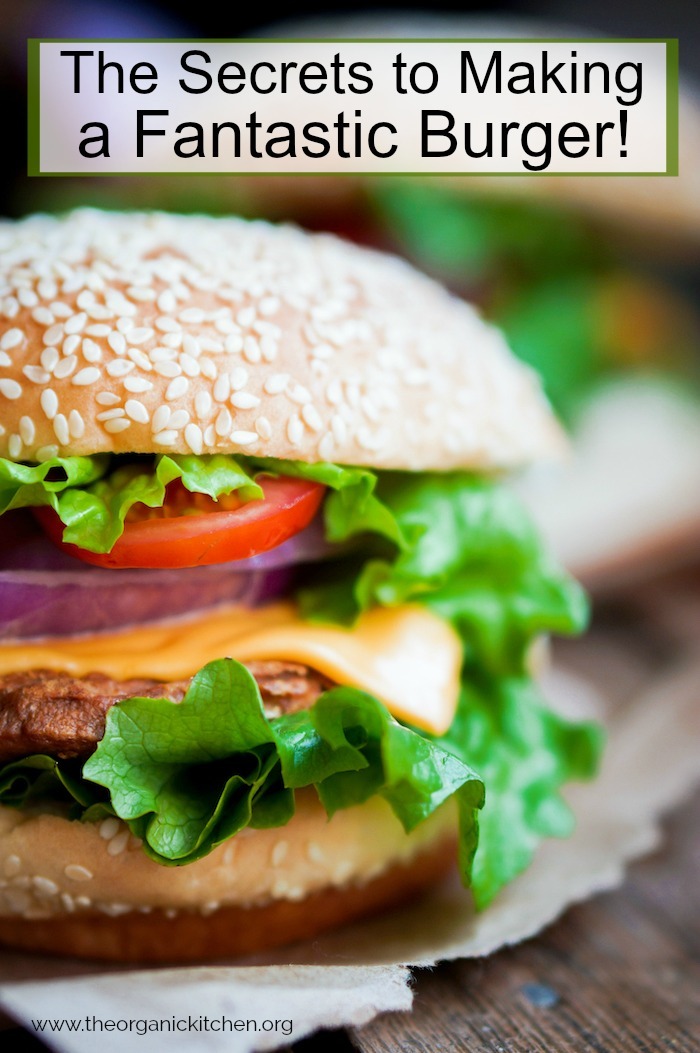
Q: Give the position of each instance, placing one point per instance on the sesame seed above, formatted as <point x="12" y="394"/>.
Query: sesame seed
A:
<point x="311" y="417"/>
<point x="208" y="368"/>
<point x="140" y="359"/>
<point x="36" y="374"/>
<point x="279" y="853"/>
<point x="109" y="827"/>
<point x="111" y="414"/>
<point x="168" y="369"/>
<point x="49" y="402"/>
<point x="100" y="329"/>
<point x="166" y="324"/>
<point x="179" y="419"/>
<point x="190" y="346"/>
<point x="60" y="427"/>
<point x="141" y="292"/>
<point x="69" y="345"/>
<point x="27" y="430"/>
<point x="119" y="367"/>
<point x="191" y="315"/>
<point x="251" y="350"/>
<point x="194" y="438"/>
<point x="65" y="367"/>
<point x="137" y="411"/>
<point x="14" y="447"/>
<point x="276" y="383"/>
<point x="222" y="388"/>
<point x="239" y="378"/>
<point x="107" y="398"/>
<point x="76" y="424"/>
<point x="76" y="872"/>
<point x="67" y="902"/>
<point x="269" y="348"/>
<point x="209" y="435"/>
<point x="167" y="301"/>
<point x="86" y="376"/>
<point x="42" y="316"/>
<point x="98" y="312"/>
<point x="224" y="422"/>
<point x="246" y="317"/>
<point x="189" y="365"/>
<point x="47" y="453"/>
<point x="5" y="359"/>
<point x="118" y="843"/>
<point x="244" y="400"/>
<point x="299" y="394"/>
<point x="339" y="428"/>
<point x="115" y="426"/>
<point x="10" y="388"/>
<point x="124" y="325"/>
<point x="137" y="384"/>
<point x="84" y="902"/>
<point x="161" y="417"/>
<point x="225" y="326"/>
<point x="27" y="297"/>
<point x="140" y="334"/>
<point x="45" y="886"/>
<point x="117" y="342"/>
<point x="233" y="343"/>
<point x="76" y="323"/>
<point x="295" y="429"/>
<point x="91" y="351"/>
<point x="11" y="339"/>
<point x="49" y="358"/>
<point x="263" y="427"/>
<point x="165" y="438"/>
<point x="326" y="446"/>
<point x="53" y="335"/>
<point x="244" y="438"/>
<point x="47" y="289"/>
<point x="10" y="307"/>
<point x="202" y="404"/>
<point x="177" y="388"/>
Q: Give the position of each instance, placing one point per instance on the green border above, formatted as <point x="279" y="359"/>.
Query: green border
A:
<point x="34" y="101"/>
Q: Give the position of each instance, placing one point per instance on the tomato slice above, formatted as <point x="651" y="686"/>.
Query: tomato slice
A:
<point x="199" y="532"/>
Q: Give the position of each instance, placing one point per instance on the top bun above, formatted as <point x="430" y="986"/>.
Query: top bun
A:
<point x="155" y="333"/>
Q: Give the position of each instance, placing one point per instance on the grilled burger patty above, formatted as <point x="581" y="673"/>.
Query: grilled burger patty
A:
<point x="44" y="711"/>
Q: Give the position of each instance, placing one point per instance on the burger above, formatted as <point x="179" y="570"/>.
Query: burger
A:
<point x="269" y="617"/>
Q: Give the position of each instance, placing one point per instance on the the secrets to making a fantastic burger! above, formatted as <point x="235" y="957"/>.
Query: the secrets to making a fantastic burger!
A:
<point x="267" y="614"/>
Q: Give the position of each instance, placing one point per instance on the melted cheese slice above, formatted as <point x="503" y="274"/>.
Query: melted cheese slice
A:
<point x="406" y="656"/>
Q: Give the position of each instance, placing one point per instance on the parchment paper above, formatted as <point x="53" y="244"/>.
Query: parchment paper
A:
<point x="651" y="762"/>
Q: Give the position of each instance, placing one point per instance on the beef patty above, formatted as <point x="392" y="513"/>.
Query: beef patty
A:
<point x="44" y="711"/>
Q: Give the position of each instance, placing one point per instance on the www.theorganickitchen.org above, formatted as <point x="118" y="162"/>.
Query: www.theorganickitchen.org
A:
<point x="173" y="1024"/>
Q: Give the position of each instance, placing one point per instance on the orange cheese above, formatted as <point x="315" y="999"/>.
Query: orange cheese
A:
<point x="405" y="656"/>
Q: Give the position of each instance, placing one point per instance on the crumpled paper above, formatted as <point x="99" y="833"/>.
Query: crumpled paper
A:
<point x="348" y="977"/>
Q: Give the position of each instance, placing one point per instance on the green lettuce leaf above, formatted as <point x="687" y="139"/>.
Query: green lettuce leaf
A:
<point x="93" y="503"/>
<point x="525" y="753"/>
<point x="187" y="777"/>
<point x="467" y="550"/>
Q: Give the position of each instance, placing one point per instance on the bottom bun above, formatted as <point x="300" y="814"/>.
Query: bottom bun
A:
<point x="88" y="890"/>
<point x="230" y="931"/>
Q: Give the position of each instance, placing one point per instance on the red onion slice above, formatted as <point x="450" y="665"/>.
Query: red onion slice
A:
<point x="46" y="592"/>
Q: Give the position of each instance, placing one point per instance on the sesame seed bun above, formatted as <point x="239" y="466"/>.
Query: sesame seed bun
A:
<point x="87" y="889"/>
<point x="185" y="334"/>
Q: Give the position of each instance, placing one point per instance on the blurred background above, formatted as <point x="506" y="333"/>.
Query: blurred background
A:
<point x="595" y="281"/>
